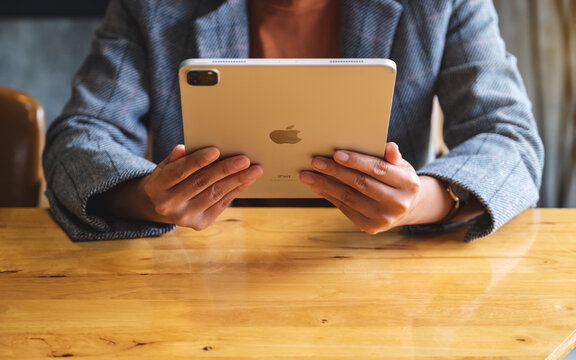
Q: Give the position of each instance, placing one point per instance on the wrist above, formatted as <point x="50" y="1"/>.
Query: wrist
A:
<point x="129" y="200"/>
<point x="432" y="203"/>
<point x="459" y="198"/>
<point x="438" y="203"/>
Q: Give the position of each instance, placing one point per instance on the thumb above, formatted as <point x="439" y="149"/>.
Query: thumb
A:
<point x="392" y="154"/>
<point x="178" y="152"/>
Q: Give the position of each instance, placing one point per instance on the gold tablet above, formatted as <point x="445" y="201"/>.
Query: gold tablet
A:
<point x="282" y="112"/>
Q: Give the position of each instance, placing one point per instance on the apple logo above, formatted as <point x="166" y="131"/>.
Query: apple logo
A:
<point x="288" y="136"/>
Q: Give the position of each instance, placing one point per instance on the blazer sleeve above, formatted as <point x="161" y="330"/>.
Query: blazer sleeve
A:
<point x="100" y="138"/>
<point x="496" y="153"/>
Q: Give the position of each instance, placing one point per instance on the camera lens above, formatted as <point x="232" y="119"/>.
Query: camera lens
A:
<point x="202" y="77"/>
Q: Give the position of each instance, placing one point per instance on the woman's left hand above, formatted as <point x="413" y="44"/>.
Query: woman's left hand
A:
<point x="376" y="194"/>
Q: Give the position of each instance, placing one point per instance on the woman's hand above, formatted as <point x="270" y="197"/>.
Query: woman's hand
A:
<point x="187" y="190"/>
<point x="378" y="194"/>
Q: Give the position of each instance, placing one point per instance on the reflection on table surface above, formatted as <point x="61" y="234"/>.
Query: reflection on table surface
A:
<point x="267" y="283"/>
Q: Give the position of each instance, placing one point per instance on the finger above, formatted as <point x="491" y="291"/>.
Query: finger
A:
<point x="331" y="188"/>
<point x="208" y="176"/>
<point x="196" y="213"/>
<point x="367" y="214"/>
<point x="220" y="189"/>
<point x="360" y="181"/>
<point x="176" y="171"/>
<point x="217" y="208"/>
<point x="381" y="170"/>
<point x="357" y="218"/>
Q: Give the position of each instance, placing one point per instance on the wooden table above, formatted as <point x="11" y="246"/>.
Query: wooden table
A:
<point x="288" y="284"/>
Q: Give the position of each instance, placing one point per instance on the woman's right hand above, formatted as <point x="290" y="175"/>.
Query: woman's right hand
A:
<point x="187" y="190"/>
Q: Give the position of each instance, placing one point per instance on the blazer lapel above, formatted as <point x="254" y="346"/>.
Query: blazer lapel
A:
<point x="369" y="27"/>
<point x="221" y="29"/>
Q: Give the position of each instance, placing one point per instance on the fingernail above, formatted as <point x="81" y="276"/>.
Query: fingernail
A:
<point x="211" y="154"/>
<point x="178" y="152"/>
<point x="319" y="163"/>
<point x="253" y="173"/>
<point x="307" y="178"/>
<point x="397" y="148"/>
<point x="241" y="163"/>
<point x="341" y="156"/>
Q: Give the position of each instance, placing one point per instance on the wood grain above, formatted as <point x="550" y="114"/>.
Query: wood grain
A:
<point x="289" y="284"/>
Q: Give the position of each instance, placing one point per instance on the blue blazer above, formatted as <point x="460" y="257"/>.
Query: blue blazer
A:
<point x="450" y="48"/>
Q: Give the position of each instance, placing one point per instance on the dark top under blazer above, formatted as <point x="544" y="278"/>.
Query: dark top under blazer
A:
<point x="449" y="48"/>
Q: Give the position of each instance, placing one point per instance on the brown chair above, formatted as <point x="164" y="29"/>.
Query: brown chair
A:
<point x="21" y="142"/>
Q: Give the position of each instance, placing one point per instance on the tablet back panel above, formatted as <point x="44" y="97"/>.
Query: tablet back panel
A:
<point x="283" y="112"/>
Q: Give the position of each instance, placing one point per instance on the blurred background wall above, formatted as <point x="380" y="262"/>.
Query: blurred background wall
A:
<point x="42" y="43"/>
<point x="542" y="35"/>
<point x="40" y="57"/>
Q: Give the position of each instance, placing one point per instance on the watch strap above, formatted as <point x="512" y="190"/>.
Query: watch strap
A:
<point x="457" y="204"/>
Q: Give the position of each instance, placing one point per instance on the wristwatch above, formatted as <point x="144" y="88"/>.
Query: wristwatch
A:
<point x="459" y="198"/>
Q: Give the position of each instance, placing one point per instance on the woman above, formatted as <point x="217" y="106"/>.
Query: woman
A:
<point x="100" y="186"/>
